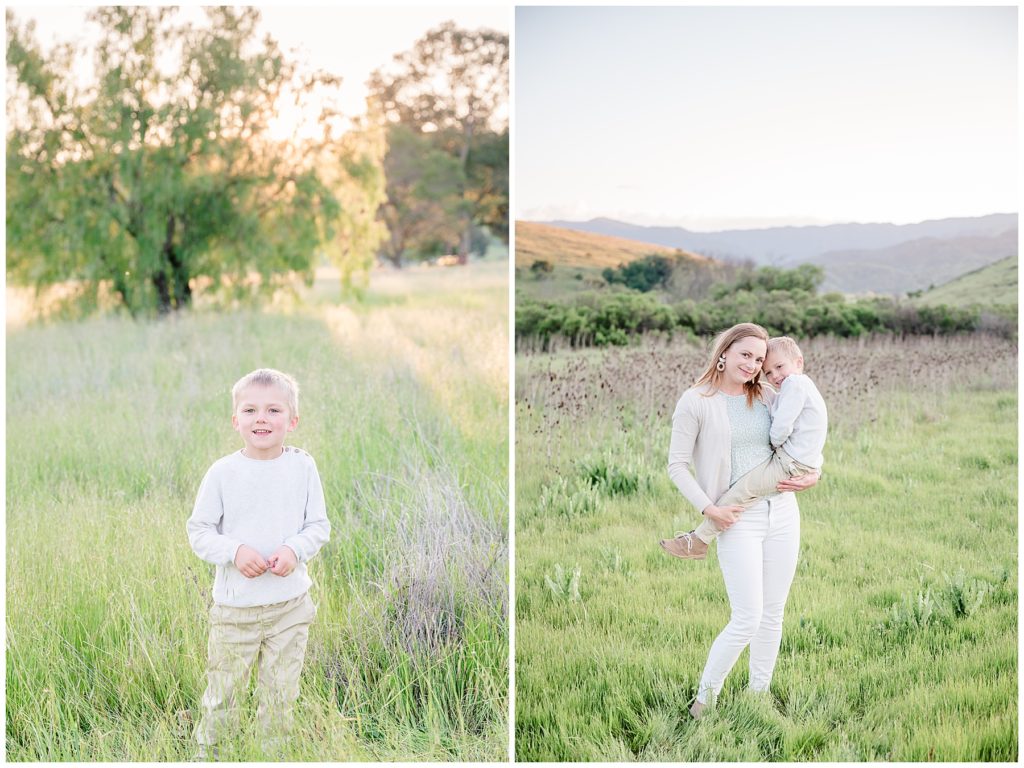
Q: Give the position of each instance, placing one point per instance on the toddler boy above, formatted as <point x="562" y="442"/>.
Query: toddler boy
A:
<point x="259" y="517"/>
<point x="799" y="427"/>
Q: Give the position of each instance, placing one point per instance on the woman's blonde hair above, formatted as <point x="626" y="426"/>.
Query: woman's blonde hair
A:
<point x="713" y="377"/>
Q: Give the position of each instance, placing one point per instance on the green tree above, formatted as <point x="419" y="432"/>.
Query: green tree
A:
<point x="644" y="274"/>
<point x="157" y="182"/>
<point x="541" y="268"/>
<point x="487" y="175"/>
<point x="452" y="86"/>
<point x="353" y="169"/>
<point x="423" y="203"/>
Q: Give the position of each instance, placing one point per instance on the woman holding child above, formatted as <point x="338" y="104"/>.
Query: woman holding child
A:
<point x="721" y="428"/>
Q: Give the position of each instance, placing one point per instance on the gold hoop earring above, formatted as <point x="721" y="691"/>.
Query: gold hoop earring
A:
<point x="721" y="363"/>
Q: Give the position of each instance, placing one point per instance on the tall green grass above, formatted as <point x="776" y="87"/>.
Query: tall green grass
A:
<point x="111" y="425"/>
<point x="900" y="638"/>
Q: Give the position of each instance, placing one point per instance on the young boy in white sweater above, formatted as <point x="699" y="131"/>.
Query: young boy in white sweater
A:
<point x="799" y="428"/>
<point x="259" y="517"/>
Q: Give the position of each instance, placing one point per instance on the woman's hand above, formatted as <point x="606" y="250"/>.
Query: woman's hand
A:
<point x="723" y="517"/>
<point x="799" y="483"/>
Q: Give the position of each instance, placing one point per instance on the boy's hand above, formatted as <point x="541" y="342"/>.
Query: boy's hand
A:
<point x="283" y="561"/>
<point x="250" y="562"/>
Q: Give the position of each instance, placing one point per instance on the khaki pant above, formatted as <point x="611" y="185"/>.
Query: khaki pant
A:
<point x="275" y="636"/>
<point x="755" y="484"/>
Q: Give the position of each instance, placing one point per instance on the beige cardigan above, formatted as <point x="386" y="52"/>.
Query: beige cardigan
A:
<point x="702" y="441"/>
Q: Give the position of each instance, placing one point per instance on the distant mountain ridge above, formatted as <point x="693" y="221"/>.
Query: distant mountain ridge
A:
<point x="795" y="245"/>
<point x="858" y="258"/>
<point x="914" y="265"/>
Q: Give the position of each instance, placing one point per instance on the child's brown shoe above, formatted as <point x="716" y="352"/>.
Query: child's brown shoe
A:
<point x="686" y="546"/>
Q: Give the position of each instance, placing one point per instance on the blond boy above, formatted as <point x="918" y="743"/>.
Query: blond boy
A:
<point x="259" y="517"/>
<point x="799" y="428"/>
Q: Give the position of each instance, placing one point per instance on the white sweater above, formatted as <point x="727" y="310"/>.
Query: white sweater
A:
<point x="262" y="504"/>
<point x="701" y="441"/>
<point x="800" y="420"/>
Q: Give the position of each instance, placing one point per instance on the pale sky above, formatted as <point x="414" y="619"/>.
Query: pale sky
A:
<point x="349" y="41"/>
<point x="714" y="118"/>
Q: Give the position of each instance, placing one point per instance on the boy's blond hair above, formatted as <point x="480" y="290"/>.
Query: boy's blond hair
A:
<point x="268" y="377"/>
<point x="784" y="345"/>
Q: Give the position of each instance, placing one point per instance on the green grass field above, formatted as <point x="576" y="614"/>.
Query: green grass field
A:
<point x="900" y="641"/>
<point x="993" y="287"/>
<point x="110" y="426"/>
<point x="561" y="283"/>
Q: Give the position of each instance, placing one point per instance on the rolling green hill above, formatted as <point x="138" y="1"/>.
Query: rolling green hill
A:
<point x="577" y="259"/>
<point x="991" y="286"/>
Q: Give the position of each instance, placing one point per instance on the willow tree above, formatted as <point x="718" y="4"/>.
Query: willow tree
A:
<point x="155" y="176"/>
<point x="452" y="87"/>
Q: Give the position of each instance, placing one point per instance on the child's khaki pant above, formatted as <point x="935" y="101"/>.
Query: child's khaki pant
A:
<point x="755" y="484"/>
<point x="275" y="635"/>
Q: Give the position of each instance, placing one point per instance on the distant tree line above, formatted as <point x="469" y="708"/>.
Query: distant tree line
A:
<point x="784" y="301"/>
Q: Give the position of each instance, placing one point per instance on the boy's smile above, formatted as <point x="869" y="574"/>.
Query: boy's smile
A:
<point x="778" y="367"/>
<point x="263" y="419"/>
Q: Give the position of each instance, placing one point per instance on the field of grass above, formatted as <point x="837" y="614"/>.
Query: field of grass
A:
<point x="900" y="641"/>
<point x="110" y="426"/>
<point x="562" y="282"/>
<point x="988" y="287"/>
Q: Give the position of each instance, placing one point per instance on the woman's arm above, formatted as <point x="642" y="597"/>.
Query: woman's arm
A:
<point x="686" y="425"/>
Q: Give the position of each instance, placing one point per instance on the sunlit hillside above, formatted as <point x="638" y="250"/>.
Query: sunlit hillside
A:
<point x="564" y="247"/>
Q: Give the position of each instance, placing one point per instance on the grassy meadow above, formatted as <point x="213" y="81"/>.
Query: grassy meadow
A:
<point x="993" y="287"/>
<point x="111" y="424"/>
<point x="900" y="641"/>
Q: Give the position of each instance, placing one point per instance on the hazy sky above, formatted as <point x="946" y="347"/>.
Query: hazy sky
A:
<point x="346" y="41"/>
<point x="721" y="117"/>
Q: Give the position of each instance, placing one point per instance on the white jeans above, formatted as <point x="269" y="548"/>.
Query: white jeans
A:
<point x="758" y="557"/>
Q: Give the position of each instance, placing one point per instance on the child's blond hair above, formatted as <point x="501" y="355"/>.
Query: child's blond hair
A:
<point x="268" y="377"/>
<point x="784" y="345"/>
